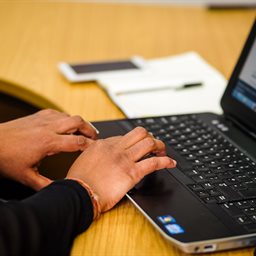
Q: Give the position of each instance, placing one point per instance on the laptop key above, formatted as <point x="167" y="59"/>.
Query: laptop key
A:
<point x="203" y="194"/>
<point x="250" y="184"/>
<point x="253" y="218"/>
<point x="195" y="187"/>
<point x="250" y="211"/>
<point x="207" y="185"/>
<point x="248" y="193"/>
<point x="214" y="192"/>
<point x="222" y="199"/>
<point x="199" y="179"/>
<point x="210" y="200"/>
<point x="232" y="209"/>
<point x="229" y="193"/>
<point x="237" y="187"/>
<point x="252" y="202"/>
<point x="243" y="204"/>
<point x="231" y="181"/>
<point x="197" y="164"/>
<point x="203" y="169"/>
<point x="243" y="220"/>
<point x="192" y="172"/>
<point x="214" y="180"/>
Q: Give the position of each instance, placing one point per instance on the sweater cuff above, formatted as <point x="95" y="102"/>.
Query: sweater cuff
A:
<point x="86" y="206"/>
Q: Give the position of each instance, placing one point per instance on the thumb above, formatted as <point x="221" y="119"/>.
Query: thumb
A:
<point x="37" y="181"/>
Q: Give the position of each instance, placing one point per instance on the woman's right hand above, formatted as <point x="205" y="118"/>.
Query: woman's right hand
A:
<point x="113" y="166"/>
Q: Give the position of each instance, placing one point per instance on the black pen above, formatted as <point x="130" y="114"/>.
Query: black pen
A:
<point x="177" y="88"/>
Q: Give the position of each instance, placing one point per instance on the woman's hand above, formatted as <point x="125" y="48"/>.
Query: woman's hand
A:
<point x="26" y="141"/>
<point x="111" y="167"/>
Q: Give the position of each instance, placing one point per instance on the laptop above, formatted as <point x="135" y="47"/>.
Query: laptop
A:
<point x="208" y="202"/>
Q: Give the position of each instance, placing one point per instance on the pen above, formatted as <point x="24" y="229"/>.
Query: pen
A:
<point x="177" y="88"/>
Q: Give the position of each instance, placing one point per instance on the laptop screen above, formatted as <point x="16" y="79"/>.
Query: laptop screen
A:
<point x="239" y="99"/>
<point x="245" y="88"/>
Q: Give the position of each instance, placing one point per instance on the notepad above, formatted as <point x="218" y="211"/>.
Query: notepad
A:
<point x="185" y="83"/>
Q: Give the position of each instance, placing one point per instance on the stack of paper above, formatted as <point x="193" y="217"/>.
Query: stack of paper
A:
<point x="160" y="90"/>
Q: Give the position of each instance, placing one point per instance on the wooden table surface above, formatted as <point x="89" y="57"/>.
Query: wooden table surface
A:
<point x="36" y="35"/>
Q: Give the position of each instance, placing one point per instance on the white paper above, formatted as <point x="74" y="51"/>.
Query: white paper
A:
<point x="173" y="72"/>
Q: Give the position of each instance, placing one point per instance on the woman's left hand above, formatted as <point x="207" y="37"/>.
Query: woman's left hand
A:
<point x="26" y="141"/>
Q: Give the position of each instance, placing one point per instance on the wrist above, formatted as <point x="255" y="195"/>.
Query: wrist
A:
<point x="94" y="197"/>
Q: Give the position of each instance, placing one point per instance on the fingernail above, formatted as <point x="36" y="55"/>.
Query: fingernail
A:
<point x="81" y="140"/>
<point x="174" y="162"/>
<point x="97" y="131"/>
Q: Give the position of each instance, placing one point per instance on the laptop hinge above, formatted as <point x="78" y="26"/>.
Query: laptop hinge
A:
<point x="240" y="125"/>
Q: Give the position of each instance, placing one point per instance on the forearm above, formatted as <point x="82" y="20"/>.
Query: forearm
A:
<point x="46" y="223"/>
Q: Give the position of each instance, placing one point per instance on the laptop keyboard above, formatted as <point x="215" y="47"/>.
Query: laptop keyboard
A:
<point x="220" y="172"/>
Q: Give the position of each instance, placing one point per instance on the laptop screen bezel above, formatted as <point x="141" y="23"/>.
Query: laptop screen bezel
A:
<point x="229" y="104"/>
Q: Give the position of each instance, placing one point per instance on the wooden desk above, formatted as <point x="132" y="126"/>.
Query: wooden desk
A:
<point x="36" y="36"/>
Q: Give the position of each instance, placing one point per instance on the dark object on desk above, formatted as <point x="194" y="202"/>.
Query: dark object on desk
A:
<point x="186" y="86"/>
<point x="161" y="88"/>
<point x="84" y="72"/>
<point x="230" y="4"/>
<point x="16" y="102"/>
<point x="208" y="202"/>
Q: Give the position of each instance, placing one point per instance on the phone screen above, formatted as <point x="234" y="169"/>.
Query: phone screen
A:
<point x="103" y="66"/>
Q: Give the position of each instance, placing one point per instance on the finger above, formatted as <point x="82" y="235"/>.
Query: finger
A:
<point x="69" y="143"/>
<point x="36" y="180"/>
<point x="87" y="128"/>
<point x="151" y="164"/>
<point x="161" y="151"/>
<point x="146" y="146"/>
<point x="76" y="123"/>
<point x="134" y="136"/>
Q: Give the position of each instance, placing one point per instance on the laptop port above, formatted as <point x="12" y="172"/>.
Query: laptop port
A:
<point x="197" y="249"/>
<point x="209" y="248"/>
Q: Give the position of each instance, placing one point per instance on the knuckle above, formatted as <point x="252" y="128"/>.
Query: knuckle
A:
<point x="130" y="154"/>
<point x="47" y="112"/>
<point x="161" y="144"/>
<point x="78" y="119"/>
<point x="141" y="131"/>
<point x="150" y="142"/>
